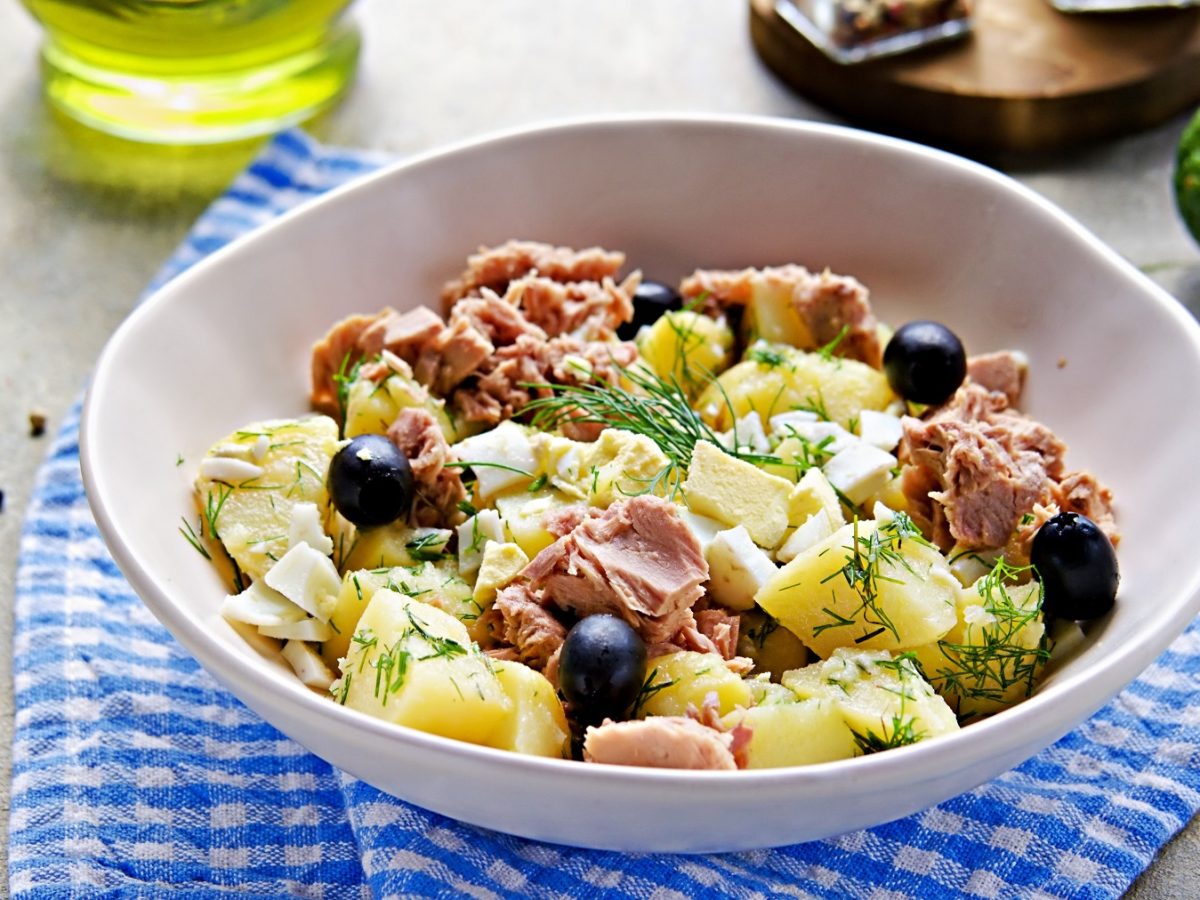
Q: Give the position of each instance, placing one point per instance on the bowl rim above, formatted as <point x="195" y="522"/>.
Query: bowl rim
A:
<point x="997" y="736"/>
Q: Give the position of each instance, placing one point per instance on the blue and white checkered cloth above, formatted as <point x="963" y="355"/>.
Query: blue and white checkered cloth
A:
<point x="135" y="774"/>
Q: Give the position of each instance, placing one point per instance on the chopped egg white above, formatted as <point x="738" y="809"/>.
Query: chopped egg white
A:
<point x="308" y="578"/>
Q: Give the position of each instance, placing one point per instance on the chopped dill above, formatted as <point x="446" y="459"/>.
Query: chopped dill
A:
<point x="189" y="535"/>
<point x="538" y="483"/>
<point x="766" y="355"/>
<point x="998" y="659"/>
<point x="428" y="547"/>
<point x="475" y="464"/>
<point x="650" y="687"/>
<point x="826" y="352"/>
<point x="865" y="559"/>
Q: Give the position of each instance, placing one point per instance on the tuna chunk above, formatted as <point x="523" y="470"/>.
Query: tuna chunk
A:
<point x="438" y="490"/>
<point x="661" y="742"/>
<point x="637" y="561"/>
<point x="495" y="267"/>
<point x="588" y="309"/>
<point x="528" y="626"/>
<point x="412" y="336"/>
<point x="706" y="631"/>
<point x="497" y="319"/>
<point x="338" y="352"/>
<point x="1080" y="492"/>
<point x="501" y="388"/>
<point x="990" y="465"/>
<point x="825" y="304"/>
<point x="1003" y="372"/>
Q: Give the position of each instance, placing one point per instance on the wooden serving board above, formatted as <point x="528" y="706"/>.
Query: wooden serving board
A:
<point x="1028" y="78"/>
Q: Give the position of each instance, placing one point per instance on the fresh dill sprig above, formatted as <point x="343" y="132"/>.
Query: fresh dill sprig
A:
<point x="862" y="572"/>
<point x="659" y="410"/>
<point x="766" y="355"/>
<point x="826" y="352"/>
<point x="998" y="659"/>
<point x="190" y="535"/>
<point x="345" y="376"/>
<point x="475" y="464"/>
<point x="428" y="547"/>
<point x="902" y="730"/>
<point x="650" y="687"/>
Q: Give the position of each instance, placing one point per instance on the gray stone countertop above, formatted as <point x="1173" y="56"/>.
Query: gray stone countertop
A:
<point x="84" y="222"/>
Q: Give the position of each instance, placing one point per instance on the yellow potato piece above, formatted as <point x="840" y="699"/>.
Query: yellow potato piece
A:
<point x="371" y="407"/>
<point x="837" y="389"/>
<point x="285" y="462"/>
<point x="690" y="347"/>
<point x="883" y="700"/>
<point x="412" y="664"/>
<point x="794" y="734"/>
<point x="903" y="593"/>
<point x="435" y="584"/>
<point x="537" y="724"/>
<point x="678" y="679"/>
<point x="995" y="653"/>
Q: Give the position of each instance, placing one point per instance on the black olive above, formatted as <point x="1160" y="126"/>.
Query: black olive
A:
<point x="602" y="668"/>
<point x="925" y="362"/>
<point x="1077" y="567"/>
<point x="650" y="301"/>
<point x="371" y="481"/>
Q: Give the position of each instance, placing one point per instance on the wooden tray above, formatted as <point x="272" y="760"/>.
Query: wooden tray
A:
<point x="1029" y="78"/>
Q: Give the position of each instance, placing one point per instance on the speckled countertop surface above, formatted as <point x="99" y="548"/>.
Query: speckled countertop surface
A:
<point x="85" y="224"/>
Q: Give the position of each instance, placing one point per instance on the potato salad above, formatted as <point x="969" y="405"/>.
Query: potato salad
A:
<point x="733" y="522"/>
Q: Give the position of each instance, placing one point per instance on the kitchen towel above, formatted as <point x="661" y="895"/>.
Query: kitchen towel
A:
<point x="135" y="774"/>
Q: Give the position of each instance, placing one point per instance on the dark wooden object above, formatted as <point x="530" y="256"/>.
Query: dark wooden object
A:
<point x="1028" y="78"/>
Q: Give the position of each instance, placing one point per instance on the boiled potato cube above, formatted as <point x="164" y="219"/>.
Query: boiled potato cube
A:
<point x="435" y="584"/>
<point x="773" y="648"/>
<point x="249" y="481"/>
<point x="794" y="734"/>
<point x="372" y="406"/>
<point x="677" y="679"/>
<point x="690" y="347"/>
<point x="522" y="513"/>
<point x="537" y="724"/>
<point x="789" y="379"/>
<point x="995" y="652"/>
<point x="884" y="702"/>
<point x="412" y="664"/>
<point x="870" y="585"/>
<point x="357" y="590"/>
<point x="395" y="544"/>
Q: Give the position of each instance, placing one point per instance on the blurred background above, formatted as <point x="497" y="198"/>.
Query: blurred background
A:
<point x="86" y="219"/>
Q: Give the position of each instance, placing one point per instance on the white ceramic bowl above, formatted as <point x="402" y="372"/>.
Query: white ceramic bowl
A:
<point x="932" y="235"/>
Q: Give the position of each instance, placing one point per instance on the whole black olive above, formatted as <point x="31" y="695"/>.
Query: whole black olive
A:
<point x="370" y="481"/>
<point x="925" y="362"/>
<point x="650" y="301"/>
<point x="602" y="668"/>
<point x="1077" y="566"/>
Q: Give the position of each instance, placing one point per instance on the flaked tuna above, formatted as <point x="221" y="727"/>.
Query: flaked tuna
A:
<point x="661" y="742"/>
<point x="637" y="561"/>
<point x="438" y="489"/>
<point x="495" y="267"/>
